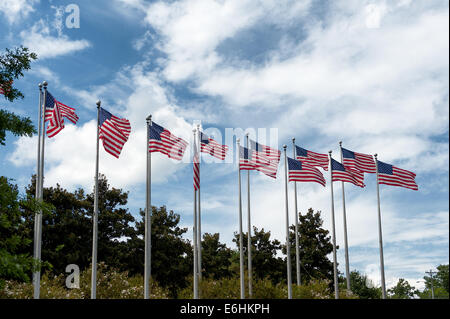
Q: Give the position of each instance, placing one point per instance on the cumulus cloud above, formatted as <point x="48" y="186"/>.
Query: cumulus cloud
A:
<point x="14" y="10"/>
<point x="40" y="40"/>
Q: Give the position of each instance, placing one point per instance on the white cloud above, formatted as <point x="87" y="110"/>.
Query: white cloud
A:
<point x="39" y="40"/>
<point x="14" y="10"/>
<point x="70" y="155"/>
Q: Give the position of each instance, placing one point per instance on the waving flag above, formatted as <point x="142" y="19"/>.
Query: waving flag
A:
<point x="161" y="140"/>
<point x="265" y="159"/>
<point x="311" y="158"/>
<point x="245" y="159"/>
<point x="358" y="161"/>
<point x="6" y="86"/>
<point x="55" y="112"/>
<point x="208" y="145"/>
<point x="196" y="162"/>
<point x="394" y="176"/>
<point x="302" y="172"/>
<point x="344" y="174"/>
<point x="114" y="132"/>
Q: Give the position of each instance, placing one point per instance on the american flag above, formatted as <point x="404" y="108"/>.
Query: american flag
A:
<point x="265" y="159"/>
<point x="311" y="158"/>
<point x="196" y="162"/>
<point x="245" y="159"/>
<point x="2" y="91"/>
<point x="344" y="174"/>
<point x="114" y="132"/>
<point x="394" y="176"/>
<point x="161" y="140"/>
<point x="358" y="161"/>
<point x="208" y="145"/>
<point x="302" y="172"/>
<point x="55" y="112"/>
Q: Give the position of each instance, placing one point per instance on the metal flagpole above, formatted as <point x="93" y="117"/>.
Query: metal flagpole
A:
<point x="380" y="237"/>
<point x="36" y="274"/>
<point x="288" y="244"/>
<point x="336" y="288"/>
<point x="194" y="231"/>
<point x="148" y="214"/>
<point x="241" y="255"/>
<point x="41" y="191"/>
<point x="297" y="246"/>
<point x="347" y="263"/>
<point x="95" y="216"/>
<point x="199" y="223"/>
<point x="249" y="235"/>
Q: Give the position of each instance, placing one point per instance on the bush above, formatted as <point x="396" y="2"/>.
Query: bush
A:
<point x="111" y="284"/>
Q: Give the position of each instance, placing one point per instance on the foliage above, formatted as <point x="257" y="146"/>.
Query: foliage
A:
<point x="403" y="290"/>
<point x="363" y="286"/>
<point x="14" y="264"/>
<point x="265" y="263"/>
<point x="315" y="245"/>
<point x="111" y="284"/>
<point x="12" y="65"/>
<point x="440" y="284"/>
<point x="216" y="257"/>
<point x="171" y="254"/>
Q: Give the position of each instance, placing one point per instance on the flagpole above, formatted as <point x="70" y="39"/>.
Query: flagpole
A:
<point x="380" y="237"/>
<point x="194" y="231"/>
<point x="288" y="245"/>
<point x="95" y="216"/>
<point x="336" y="288"/>
<point x="199" y="235"/>
<point x="297" y="246"/>
<point x="347" y="263"/>
<point x="148" y="213"/>
<point x="241" y="256"/>
<point x="36" y="274"/>
<point x="249" y="235"/>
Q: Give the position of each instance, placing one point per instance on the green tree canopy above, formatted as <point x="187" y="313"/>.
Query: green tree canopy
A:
<point x="402" y="290"/>
<point x="12" y="65"/>
<point x="362" y="286"/>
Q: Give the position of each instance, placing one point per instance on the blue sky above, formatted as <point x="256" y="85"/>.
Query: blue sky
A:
<point x="373" y="74"/>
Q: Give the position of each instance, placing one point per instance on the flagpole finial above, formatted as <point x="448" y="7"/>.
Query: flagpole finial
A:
<point x="284" y="146"/>
<point x="98" y="103"/>
<point x="340" y="143"/>
<point x="375" y="155"/>
<point x="238" y="140"/>
<point x="293" y="139"/>
<point x="40" y="86"/>
<point x="149" y="118"/>
<point x="329" y="152"/>
<point x="45" y="83"/>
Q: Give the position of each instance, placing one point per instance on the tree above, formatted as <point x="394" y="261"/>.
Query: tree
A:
<point x="362" y="286"/>
<point x="12" y="65"/>
<point x="440" y="284"/>
<point x="315" y="245"/>
<point x="14" y="264"/>
<point x="403" y="290"/>
<point x="172" y="256"/>
<point x="265" y="263"/>
<point x="216" y="257"/>
<point x="67" y="227"/>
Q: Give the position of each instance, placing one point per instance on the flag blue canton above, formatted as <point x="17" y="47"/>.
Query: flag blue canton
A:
<point x="203" y="138"/>
<point x="301" y="151"/>
<point x="104" y="115"/>
<point x="49" y="100"/>
<point x="244" y="153"/>
<point x="155" y="131"/>
<point x="347" y="154"/>
<point x="384" y="168"/>
<point x="294" y="165"/>
<point x="336" y="166"/>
